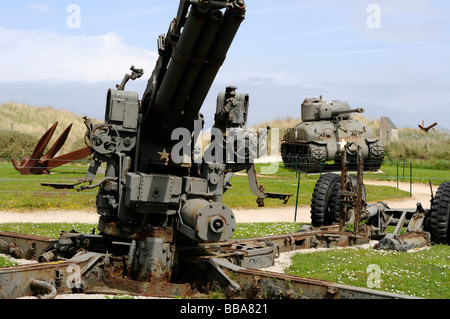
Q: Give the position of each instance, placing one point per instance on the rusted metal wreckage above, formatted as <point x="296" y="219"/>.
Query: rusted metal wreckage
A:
<point x="163" y="229"/>
<point x="426" y="129"/>
<point x="39" y="163"/>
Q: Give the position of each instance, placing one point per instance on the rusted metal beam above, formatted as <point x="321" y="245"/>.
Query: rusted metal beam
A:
<point x="24" y="246"/>
<point x="258" y="284"/>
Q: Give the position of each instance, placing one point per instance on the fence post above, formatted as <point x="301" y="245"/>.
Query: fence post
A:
<point x="397" y="176"/>
<point x="298" y="190"/>
<point x="404" y="164"/>
<point x="410" y="178"/>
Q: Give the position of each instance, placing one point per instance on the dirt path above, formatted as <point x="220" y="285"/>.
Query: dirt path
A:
<point x="421" y="193"/>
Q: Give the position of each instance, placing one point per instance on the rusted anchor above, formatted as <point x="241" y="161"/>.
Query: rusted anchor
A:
<point x="39" y="164"/>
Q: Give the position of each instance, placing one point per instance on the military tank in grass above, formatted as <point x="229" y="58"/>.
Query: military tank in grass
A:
<point x="315" y="144"/>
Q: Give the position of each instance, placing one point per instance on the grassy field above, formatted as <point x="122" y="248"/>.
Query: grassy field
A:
<point x="25" y="193"/>
<point x="424" y="274"/>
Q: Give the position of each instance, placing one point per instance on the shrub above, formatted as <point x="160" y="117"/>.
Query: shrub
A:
<point x="16" y="144"/>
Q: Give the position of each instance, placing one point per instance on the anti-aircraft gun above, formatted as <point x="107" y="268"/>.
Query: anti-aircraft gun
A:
<point x="158" y="191"/>
<point x="325" y="128"/>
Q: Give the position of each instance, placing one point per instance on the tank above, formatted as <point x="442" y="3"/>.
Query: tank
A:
<point x="317" y="143"/>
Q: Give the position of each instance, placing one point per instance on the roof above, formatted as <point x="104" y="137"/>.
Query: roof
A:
<point x="390" y="123"/>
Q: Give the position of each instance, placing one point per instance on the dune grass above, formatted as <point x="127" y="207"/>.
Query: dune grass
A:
<point x="35" y="121"/>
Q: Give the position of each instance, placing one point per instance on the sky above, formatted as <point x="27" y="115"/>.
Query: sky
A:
<point x="391" y="57"/>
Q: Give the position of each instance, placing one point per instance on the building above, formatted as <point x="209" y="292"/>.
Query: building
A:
<point x="388" y="130"/>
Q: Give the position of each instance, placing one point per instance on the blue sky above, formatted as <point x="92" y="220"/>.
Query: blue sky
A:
<point x="394" y="64"/>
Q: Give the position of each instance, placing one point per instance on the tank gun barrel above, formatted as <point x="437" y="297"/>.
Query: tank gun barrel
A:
<point x="340" y="112"/>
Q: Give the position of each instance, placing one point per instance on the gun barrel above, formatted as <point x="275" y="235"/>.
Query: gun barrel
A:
<point x="184" y="74"/>
<point x="357" y="110"/>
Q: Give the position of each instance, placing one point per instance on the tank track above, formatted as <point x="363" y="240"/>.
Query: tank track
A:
<point x="311" y="158"/>
<point x="376" y="156"/>
<point x="304" y="157"/>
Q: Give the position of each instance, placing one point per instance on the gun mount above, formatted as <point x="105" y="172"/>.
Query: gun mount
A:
<point x="325" y="128"/>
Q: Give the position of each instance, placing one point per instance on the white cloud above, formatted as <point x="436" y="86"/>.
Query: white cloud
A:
<point x="38" y="7"/>
<point x="45" y="56"/>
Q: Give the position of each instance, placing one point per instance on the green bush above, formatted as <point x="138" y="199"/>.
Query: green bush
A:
<point x="16" y="144"/>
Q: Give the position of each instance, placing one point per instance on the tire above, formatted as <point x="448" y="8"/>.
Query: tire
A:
<point x="437" y="224"/>
<point x="325" y="204"/>
<point x="321" y="198"/>
<point x="334" y="203"/>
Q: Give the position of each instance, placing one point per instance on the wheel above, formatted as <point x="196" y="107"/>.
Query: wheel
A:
<point x="321" y="197"/>
<point x="333" y="209"/>
<point x="437" y="224"/>
<point x="325" y="208"/>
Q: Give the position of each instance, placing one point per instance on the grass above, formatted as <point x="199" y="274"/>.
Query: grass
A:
<point x="286" y="181"/>
<point x="51" y="230"/>
<point x="247" y="230"/>
<point x="6" y="262"/>
<point x="419" y="174"/>
<point x="25" y="193"/>
<point x="414" y="143"/>
<point x="424" y="273"/>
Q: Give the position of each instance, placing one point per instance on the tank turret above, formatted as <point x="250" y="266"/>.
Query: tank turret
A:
<point x="322" y="134"/>
<point x="316" y="109"/>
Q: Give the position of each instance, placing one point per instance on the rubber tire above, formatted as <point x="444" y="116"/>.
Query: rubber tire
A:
<point x="333" y="211"/>
<point x="437" y="224"/>
<point x="321" y="198"/>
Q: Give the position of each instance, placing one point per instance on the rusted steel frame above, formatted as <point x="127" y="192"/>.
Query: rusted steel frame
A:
<point x="415" y="239"/>
<point x="16" y="282"/>
<point x="116" y="284"/>
<point x="28" y="163"/>
<point x="41" y="164"/>
<point x="67" y="158"/>
<point x="57" y="145"/>
<point x="24" y="246"/>
<point x="256" y="284"/>
<point x="323" y="237"/>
